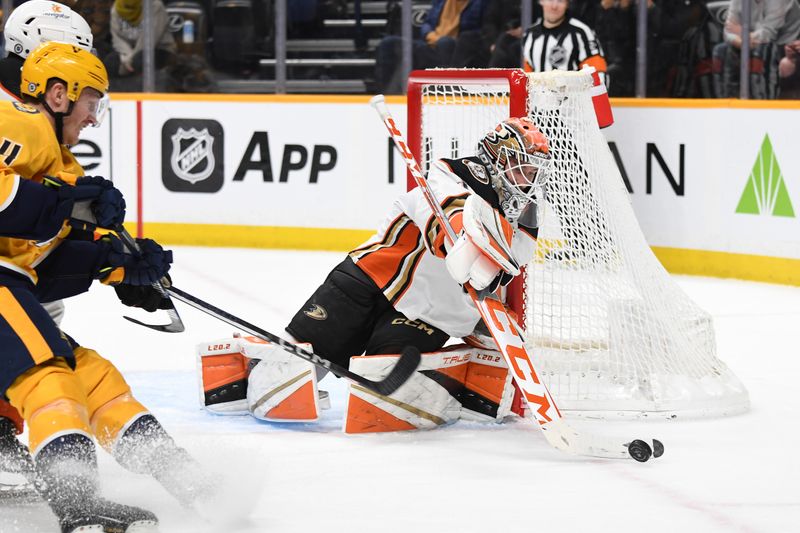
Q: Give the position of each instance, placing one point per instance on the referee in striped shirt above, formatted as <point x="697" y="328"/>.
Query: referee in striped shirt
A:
<point x="558" y="41"/>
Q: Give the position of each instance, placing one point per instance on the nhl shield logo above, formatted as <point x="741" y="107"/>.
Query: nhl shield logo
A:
<point x="558" y="57"/>
<point x="192" y="154"/>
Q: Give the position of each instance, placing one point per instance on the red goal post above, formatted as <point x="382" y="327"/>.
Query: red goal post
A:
<point x="511" y="83"/>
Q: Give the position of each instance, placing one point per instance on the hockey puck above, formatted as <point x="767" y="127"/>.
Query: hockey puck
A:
<point x="658" y="448"/>
<point x="640" y="450"/>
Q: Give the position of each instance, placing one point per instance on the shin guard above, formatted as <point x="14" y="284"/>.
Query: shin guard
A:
<point x="66" y="473"/>
<point x="111" y="405"/>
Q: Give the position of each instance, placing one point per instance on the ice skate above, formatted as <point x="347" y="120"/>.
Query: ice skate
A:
<point x="66" y="477"/>
<point x="103" y="516"/>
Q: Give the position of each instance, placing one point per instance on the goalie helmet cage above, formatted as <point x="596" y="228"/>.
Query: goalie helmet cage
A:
<point x="611" y="332"/>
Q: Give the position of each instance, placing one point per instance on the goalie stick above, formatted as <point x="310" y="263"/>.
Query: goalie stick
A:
<point x="508" y="338"/>
<point x="406" y="365"/>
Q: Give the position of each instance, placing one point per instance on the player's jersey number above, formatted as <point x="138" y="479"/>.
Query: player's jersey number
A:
<point x="9" y="151"/>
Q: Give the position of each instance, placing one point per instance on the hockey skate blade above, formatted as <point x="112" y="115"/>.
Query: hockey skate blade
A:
<point x="15" y="489"/>
<point x="146" y="526"/>
<point x="18" y="495"/>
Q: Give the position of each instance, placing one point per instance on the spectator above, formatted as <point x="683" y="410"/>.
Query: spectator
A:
<point x="669" y="23"/>
<point x="585" y="11"/>
<point x="450" y="37"/>
<point x="616" y="29"/>
<point x="502" y="31"/>
<point x="98" y="14"/>
<point x="774" y="24"/>
<point x="691" y="76"/>
<point x="561" y="42"/>
<point x="788" y="72"/>
<point x="127" y="40"/>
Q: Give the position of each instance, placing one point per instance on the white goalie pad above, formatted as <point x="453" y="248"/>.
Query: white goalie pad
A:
<point x="459" y="382"/>
<point x="282" y="387"/>
<point x="223" y="369"/>
<point x="246" y="375"/>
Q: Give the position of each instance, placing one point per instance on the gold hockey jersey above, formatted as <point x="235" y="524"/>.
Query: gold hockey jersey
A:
<point x="29" y="150"/>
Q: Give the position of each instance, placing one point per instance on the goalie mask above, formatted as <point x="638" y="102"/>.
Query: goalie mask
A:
<point x="518" y="158"/>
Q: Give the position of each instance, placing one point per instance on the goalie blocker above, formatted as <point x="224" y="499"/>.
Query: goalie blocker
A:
<point x="245" y="375"/>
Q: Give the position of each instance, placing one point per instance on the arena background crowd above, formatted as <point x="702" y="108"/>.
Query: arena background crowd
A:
<point x="690" y="48"/>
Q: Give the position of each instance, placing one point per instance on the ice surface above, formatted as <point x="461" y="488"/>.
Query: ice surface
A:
<point x="739" y="474"/>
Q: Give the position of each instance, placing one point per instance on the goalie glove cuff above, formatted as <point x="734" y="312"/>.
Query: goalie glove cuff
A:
<point x="490" y="232"/>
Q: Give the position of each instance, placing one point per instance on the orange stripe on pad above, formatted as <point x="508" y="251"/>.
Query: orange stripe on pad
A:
<point x="23" y="326"/>
<point x="297" y="406"/>
<point x="364" y="417"/>
<point x="223" y="369"/>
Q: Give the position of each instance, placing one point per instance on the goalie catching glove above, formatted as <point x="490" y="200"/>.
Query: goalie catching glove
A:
<point x="482" y="252"/>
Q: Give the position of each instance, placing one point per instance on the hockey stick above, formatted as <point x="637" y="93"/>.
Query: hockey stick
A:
<point x="509" y="339"/>
<point x="83" y="219"/>
<point x="406" y="365"/>
<point x="176" y="324"/>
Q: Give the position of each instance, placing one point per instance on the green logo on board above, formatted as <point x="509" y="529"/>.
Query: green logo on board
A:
<point x="765" y="193"/>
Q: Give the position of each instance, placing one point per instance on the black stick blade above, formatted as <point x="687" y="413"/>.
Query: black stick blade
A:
<point x="403" y="369"/>
<point x="172" y="327"/>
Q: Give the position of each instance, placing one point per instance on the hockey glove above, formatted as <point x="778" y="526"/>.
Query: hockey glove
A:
<point x="150" y="265"/>
<point x="104" y="201"/>
<point x="143" y="296"/>
<point x="483" y="250"/>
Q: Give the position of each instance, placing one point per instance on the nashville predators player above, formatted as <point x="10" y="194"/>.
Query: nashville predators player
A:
<point x="31" y="24"/>
<point x="68" y="394"/>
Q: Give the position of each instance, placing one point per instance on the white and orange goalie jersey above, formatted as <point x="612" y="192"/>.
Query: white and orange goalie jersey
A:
<point x="404" y="257"/>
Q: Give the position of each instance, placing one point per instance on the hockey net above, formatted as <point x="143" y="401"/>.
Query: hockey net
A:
<point x="611" y="332"/>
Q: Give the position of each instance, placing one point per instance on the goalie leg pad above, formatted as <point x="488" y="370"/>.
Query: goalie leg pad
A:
<point x="223" y="369"/>
<point x="460" y="382"/>
<point x="426" y="401"/>
<point x="489" y="390"/>
<point x="282" y="387"/>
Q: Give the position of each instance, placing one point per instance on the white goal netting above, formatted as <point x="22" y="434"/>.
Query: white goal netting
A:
<point x="611" y="332"/>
